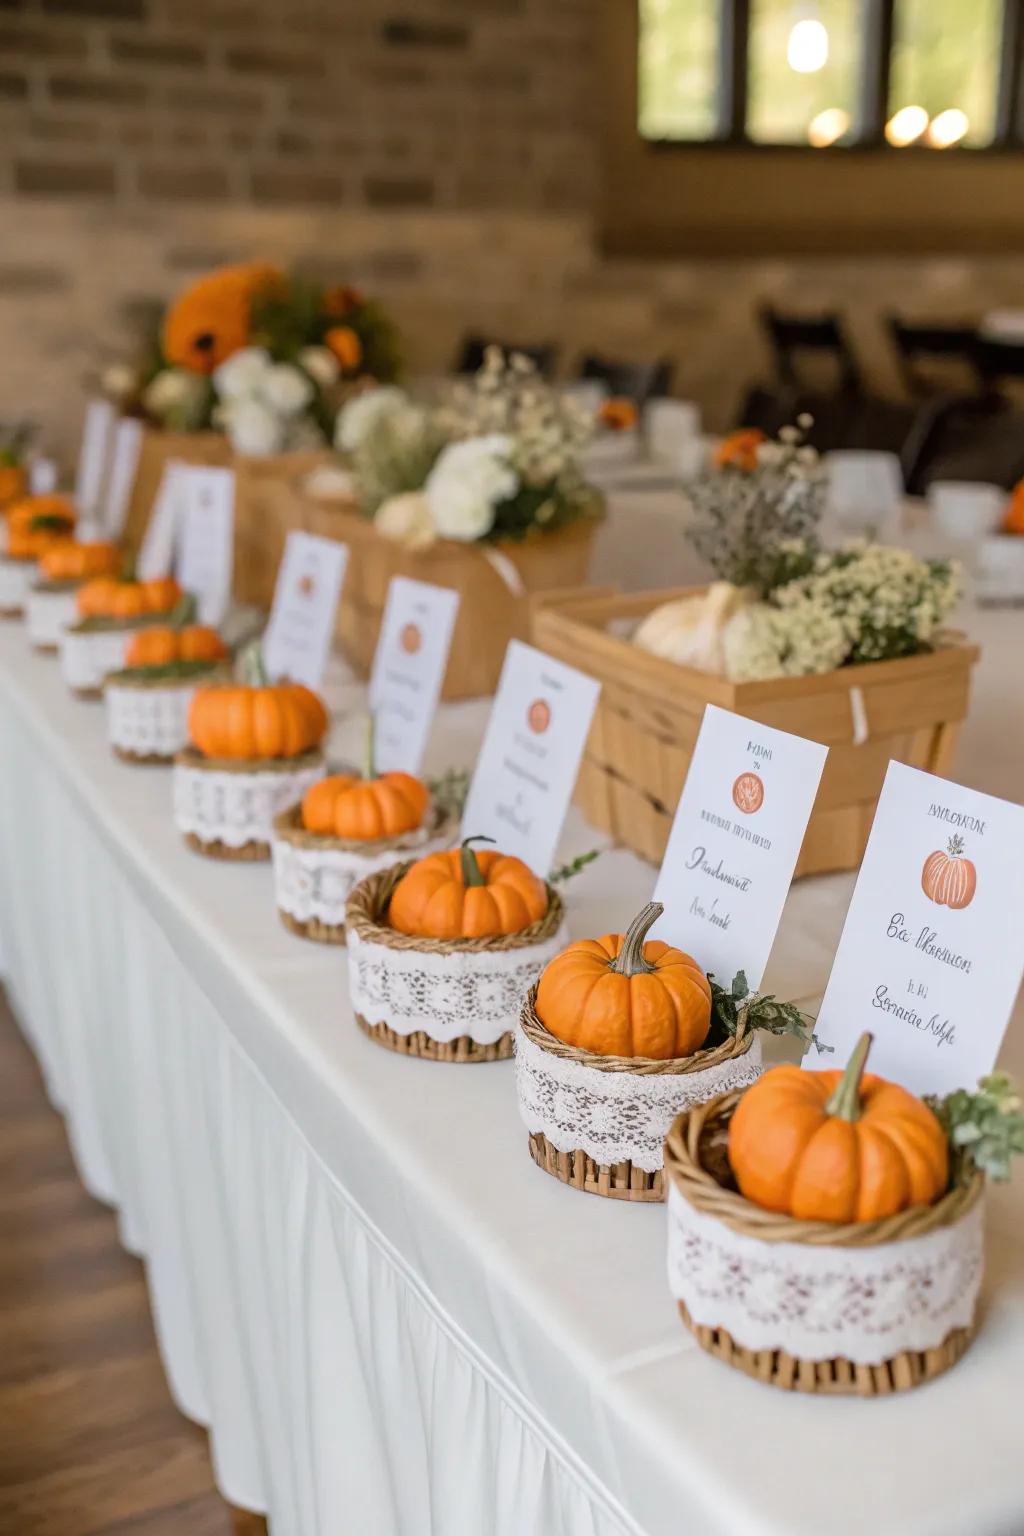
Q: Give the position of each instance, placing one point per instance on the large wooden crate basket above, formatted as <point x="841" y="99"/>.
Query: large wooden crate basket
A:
<point x="649" y="712"/>
<point x="496" y="585"/>
<point x="269" y="504"/>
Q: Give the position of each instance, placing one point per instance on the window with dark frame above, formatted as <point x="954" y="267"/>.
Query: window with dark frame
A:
<point x="815" y="74"/>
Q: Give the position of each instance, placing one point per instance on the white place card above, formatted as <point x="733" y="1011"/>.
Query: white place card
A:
<point x="156" y="552"/>
<point x="408" y="670"/>
<point x="205" y="563"/>
<point x="297" y="639"/>
<point x="124" y="463"/>
<point x="932" y="951"/>
<point x="97" y="437"/>
<point x="735" y="841"/>
<point x="42" y="477"/>
<point x="526" y="771"/>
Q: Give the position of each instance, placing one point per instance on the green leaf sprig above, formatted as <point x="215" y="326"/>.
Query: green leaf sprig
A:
<point x="449" y="792"/>
<point x="985" y="1127"/>
<point x="567" y="871"/>
<point x="762" y="1011"/>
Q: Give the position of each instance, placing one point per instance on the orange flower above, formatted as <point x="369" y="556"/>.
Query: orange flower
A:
<point x="739" y="449"/>
<point x="1013" y="522"/>
<point x="346" y="346"/>
<point x="618" y="414"/>
<point x="13" y="482"/>
<point x="212" y="319"/>
<point x="341" y="300"/>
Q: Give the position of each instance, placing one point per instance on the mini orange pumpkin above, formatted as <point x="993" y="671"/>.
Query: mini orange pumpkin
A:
<point x="71" y="561"/>
<point x="213" y="319"/>
<point x="112" y="597"/>
<point x="365" y="809"/>
<point x="739" y="449"/>
<point x="617" y="996"/>
<point x="948" y="878"/>
<point x="836" y="1146"/>
<point x="162" y="645"/>
<point x="462" y="894"/>
<point x="240" y="721"/>
<point x="618" y="414"/>
<point x="37" y="524"/>
<point x="1013" y="522"/>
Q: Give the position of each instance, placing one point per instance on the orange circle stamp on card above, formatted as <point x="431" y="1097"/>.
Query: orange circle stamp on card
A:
<point x="748" y="793"/>
<point x="410" y="639"/>
<point x="538" y="716"/>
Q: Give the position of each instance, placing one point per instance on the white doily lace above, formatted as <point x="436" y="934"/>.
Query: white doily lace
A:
<point x="148" y="721"/>
<point x="87" y="656"/>
<point x="237" y="808"/>
<point x="316" y="882"/>
<point x="859" y="1304"/>
<point x="615" y="1117"/>
<point x="48" y="613"/>
<point x="16" y="577"/>
<point x="466" y="992"/>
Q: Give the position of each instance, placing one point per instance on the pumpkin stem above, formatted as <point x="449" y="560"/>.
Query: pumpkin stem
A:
<point x="128" y="566"/>
<point x="184" y="612"/>
<point x="630" y="960"/>
<point x="471" y="871"/>
<point x="370" y="760"/>
<point x="250" y="661"/>
<point x="845" y="1102"/>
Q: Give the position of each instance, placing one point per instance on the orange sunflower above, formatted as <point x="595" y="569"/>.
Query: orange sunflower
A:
<point x="213" y="318"/>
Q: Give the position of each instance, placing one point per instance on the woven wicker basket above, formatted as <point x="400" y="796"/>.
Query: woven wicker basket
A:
<point x="286" y="779"/>
<point x="147" y="715"/>
<point x="49" y="606"/>
<point x="697" y="1166"/>
<point x="624" y="1180"/>
<point x="16" y="578"/>
<point x="364" y="922"/>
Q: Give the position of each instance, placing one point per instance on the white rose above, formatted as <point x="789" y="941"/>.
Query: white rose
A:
<point x="170" y="390"/>
<point x="467" y="483"/>
<point x="329" y="482"/>
<point x="321" y="365"/>
<point x="358" y="417"/>
<point x="286" y="390"/>
<point x="119" y="381"/>
<point x="253" y="428"/>
<point x="407" y="520"/>
<point x="242" y="374"/>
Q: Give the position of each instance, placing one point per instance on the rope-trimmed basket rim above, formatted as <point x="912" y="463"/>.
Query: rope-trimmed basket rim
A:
<point x="19" y="560"/>
<point x="368" y="901"/>
<point x="59" y="588"/>
<point x="288" y="827"/>
<point x="104" y="624"/>
<point x="702" y="1129"/>
<point x="191" y="757"/>
<point x="128" y="677"/>
<point x="640" y="1066"/>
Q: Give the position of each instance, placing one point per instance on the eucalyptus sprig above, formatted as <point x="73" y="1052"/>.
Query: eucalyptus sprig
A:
<point x="762" y="1011"/>
<point x="567" y="871"/>
<point x="449" y="792"/>
<point x="985" y="1127"/>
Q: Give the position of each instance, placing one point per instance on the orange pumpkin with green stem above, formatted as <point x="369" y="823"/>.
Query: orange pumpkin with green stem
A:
<point x="949" y="878"/>
<point x="163" y="645"/>
<point x="620" y="996"/>
<point x="462" y="894"/>
<point x="836" y="1146"/>
<point x="71" y="561"/>
<point x="114" y="597"/>
<point x="367" y="808"/>
<point x="256" y="719"/>
<point x="38" y="524"/>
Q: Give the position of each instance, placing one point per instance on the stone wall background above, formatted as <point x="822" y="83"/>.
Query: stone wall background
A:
<point x="441" y="153"/>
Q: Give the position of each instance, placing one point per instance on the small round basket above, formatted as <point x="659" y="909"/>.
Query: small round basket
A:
<point x="147" y="713"/>
<point x="868" y="1308"/>
<point x="598" y="1123"/>
<point x="49" y="608"/>
<point x="92" y="648"/>
<point x="454" y="1000"/>
<point x="225" y="807"/>
<point x="314" y="874"/>
<point x="16" y="578"/>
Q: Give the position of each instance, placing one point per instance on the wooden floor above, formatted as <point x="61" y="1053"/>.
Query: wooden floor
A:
<point x="90" y="1442"/>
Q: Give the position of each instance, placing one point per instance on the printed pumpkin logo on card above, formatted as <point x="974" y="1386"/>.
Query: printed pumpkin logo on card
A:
<point x="948" y="877"/>
<point x="538" y="716"/>
<point x="748" y="793"/>
<point x="410" y="639"/>
<point x="307" y="586"/>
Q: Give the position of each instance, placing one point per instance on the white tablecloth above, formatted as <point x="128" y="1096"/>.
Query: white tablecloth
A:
<point x="391" y="1321"/>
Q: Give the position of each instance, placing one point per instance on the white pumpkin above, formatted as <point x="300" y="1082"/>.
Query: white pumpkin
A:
<point x="690" y="631"/>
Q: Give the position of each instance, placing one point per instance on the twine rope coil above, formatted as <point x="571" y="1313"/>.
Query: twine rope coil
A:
<point x="638" y="1066"/>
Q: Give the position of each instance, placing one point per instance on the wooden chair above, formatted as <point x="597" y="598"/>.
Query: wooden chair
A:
<point x="917" y="344"/>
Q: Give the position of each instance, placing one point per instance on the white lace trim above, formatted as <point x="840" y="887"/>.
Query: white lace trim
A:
<point x="149" y="721"/>
<point x="87" y="656"/>
<point x="237" y="808"/>
<point x="16" y="578"/>
<point x="615" y="1117"/>
<point x="315" y="883"/>
<point x="48" y="613"/>
<point x="465" y="992"/>
<point x="859" y="1304"/>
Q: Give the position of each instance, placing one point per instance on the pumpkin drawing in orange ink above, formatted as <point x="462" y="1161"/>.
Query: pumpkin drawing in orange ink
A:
<point x="538" y="716"/>
<point x="748" y="793"/>
<point x="948" y="878"/>
<point x="410" y="639"/>
<point x="307" y="586"/>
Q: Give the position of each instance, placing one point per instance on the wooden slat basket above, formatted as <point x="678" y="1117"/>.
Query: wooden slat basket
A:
<point x="157" y="450"/>
<point x="649" y="713"/>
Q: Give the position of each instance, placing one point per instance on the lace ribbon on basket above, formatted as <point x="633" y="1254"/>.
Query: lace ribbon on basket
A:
<point x="48" y="613"/>
<point x="615" y="1117"/>
<point x="85" y="659"/>
<point x="149" y="721"/>
<point x="465" y="992"/>
<point x="236" y="808"/>
<point x="861" y="1304"/>
<point x="312" y="882"/>
<point x="16" y="578"/>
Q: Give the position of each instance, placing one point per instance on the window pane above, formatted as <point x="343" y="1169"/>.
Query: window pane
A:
<point x="945" y="61"/>
<point x="678" y="81"/>
<point x="803" y="71"/>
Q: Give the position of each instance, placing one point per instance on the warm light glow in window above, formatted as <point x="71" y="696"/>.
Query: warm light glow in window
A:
<point x="828" y="127"/>
<point x="906" y="126"/>
<point x="807" y="49"/>
<point x="948" y="128"/>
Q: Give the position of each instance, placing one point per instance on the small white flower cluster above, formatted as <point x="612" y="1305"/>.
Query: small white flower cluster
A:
<point x="174" y="397"/>
<point x="264" y="406"/>
<point x="860" y="603"/>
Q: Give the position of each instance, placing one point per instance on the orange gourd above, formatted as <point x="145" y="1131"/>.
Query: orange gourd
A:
<point x="619" y="996"/>
<point x="71" y="561"/>
<point x="739" y="449"/>
<point x="344" y="343"/>
<point x="948" y="878"/>
<point x="237" y="720"/>
<point x="37" y="524"/>
<point x="13" y="482"/>
<point x="365" y="809"/>
<point x="162" y="645"/>
<point x="213" y="319"/>
<point x="462" y="894"/>
<point x="112" y="597"/>
<point x="618" y="414"/>
<point x="1013" y="522"/>
<point x="836" y="1146"/>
